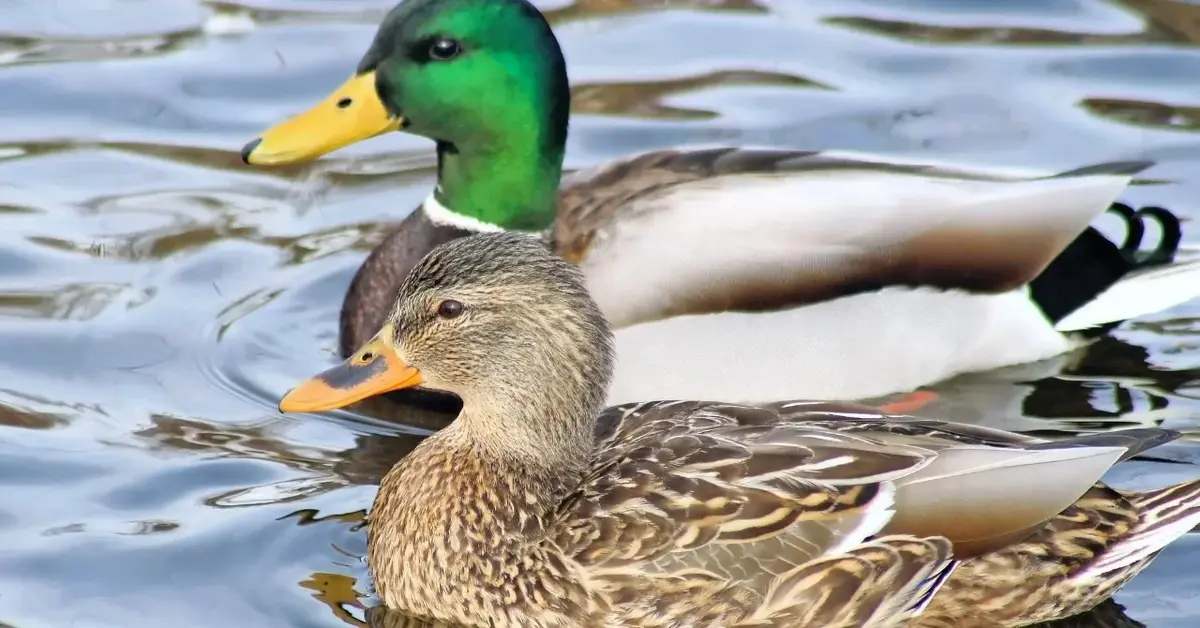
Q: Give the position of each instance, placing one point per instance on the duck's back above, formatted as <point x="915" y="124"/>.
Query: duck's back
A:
<point x="732" y="505"/>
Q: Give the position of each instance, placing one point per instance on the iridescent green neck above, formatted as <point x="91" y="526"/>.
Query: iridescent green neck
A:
<point x="512" y="184"/>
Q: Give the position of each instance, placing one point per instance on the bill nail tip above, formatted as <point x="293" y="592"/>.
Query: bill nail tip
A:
<point x="248" y="149"/>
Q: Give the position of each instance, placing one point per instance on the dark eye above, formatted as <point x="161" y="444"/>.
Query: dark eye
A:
<point x="444" y="49"/>
<point x="450" y="308"/>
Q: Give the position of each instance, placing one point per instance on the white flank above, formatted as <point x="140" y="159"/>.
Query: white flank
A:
<point x="441" y="215"/>
<point x="731" y="230"/>
<point x="855" y="347"/>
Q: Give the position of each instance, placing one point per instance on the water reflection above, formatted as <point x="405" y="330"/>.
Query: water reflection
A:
<point x="1162" y="21"/>
<point x="1149" y="114"/>
<point x="987" y="35"/>
<point x="644" y="100"/>
<point x="157" y="296"/>
<point x="337" y="592"/>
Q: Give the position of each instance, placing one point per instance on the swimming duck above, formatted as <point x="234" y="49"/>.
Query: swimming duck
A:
<point x="536" y="507"/>
<point x="733" y="273"/>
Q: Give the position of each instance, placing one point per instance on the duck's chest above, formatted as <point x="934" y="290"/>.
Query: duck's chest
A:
<point x="444" y="544"/>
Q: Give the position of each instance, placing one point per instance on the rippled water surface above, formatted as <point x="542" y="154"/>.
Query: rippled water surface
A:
<point x="157" y="296"/>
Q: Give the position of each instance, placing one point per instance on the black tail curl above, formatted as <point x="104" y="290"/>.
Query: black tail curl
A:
<point x="1093" y="263"/>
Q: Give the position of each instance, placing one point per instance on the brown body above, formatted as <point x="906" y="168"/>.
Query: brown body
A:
<point x="540" y="551"/>
<point x="539" y="508"/>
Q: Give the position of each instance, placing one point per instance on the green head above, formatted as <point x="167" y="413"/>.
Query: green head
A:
<point x="476" y="74"/>
<point x="486" y="80"/>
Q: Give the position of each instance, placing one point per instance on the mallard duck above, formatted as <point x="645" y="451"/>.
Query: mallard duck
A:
<point x="537" y="508"/>
<point x="732" y="273"/>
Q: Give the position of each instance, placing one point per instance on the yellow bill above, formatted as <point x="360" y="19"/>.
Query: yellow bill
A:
<point x="352" y="113"/>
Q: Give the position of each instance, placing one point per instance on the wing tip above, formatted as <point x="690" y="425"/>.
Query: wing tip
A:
<point x="1133" y="441"/>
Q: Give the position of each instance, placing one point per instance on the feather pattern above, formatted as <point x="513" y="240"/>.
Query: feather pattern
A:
<point x="711" y="514"/>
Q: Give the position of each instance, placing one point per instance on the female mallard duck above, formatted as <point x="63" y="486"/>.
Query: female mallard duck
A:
<point x="536" y="508"/>
<point x="732" y="273"/>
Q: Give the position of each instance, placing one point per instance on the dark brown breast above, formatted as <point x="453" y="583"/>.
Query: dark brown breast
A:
<point x="373" y="291"/>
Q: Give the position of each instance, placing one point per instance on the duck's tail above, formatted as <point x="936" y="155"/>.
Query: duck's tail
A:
<point x="1138" y="525"/>
<point x="1095" y="284"/>
<point x="1164" y="515"/>
<point x="1075" y="562"/>
<point x="1145" y="290"/>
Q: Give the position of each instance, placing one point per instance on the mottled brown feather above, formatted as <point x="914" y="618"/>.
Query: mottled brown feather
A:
<point x="531" y="511"/>
<point x="651" y="525"/>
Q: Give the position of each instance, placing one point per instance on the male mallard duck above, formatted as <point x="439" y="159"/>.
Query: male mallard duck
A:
<point x="732" y="273"/>
<point x="536" y="508"/>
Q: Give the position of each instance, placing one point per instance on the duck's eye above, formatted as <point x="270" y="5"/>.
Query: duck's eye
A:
<point x="444" y="49"/>
<point x="450" y="308"/>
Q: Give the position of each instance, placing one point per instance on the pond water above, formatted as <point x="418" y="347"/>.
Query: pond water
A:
<point x="157" y="296"/>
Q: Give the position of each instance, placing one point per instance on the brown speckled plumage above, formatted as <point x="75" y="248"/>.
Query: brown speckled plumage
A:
<point x="536" y="508"/>
<point x="686" y="517"/>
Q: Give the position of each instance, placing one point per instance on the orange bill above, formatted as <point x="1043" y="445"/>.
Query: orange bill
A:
<point x="352" y="113"/>
<point x="372" y="370"/>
